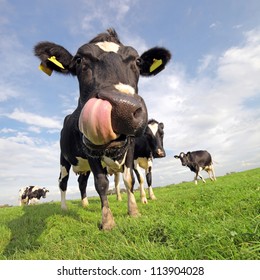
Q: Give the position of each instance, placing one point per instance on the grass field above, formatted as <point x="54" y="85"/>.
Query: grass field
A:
<point x="217" y="220"/>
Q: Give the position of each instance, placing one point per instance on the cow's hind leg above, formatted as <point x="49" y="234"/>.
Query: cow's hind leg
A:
<point x="149" y="182"/>
<point x="83" y="180"/>
<point x="213" y="173"/>
<point x="102" y="185"/>
<point x="63" y="180"/>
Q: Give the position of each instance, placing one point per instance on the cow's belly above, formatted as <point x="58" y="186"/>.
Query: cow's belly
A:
<point x="113" y="166"/>
<point x="144" y="162"/>
<point x="82" y="166"/>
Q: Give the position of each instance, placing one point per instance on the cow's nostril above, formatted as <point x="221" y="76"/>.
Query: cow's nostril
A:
<point x="138" y="113"/>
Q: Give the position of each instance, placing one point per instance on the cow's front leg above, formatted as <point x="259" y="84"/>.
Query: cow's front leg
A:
<point x="129" y="181"/>
<point x="101" y="185"/>
<point x="140" y="179"/>
<point x="63" y="180"/>
<point x="83" y="180"/>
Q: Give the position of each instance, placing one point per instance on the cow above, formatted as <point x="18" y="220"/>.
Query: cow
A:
<point x="31" y="194"/>
<point x="147" y="147"/>
<point x="110" y="114"/>
<point x="197" y="161"/>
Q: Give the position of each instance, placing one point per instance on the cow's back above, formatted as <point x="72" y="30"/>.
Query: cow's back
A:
<point x="202" y="158"/>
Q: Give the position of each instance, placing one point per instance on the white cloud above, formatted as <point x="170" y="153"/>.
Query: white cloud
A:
<point x="7" y="91"/>
<point x="35" y="120"/>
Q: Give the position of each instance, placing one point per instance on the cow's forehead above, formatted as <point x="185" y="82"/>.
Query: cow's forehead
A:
<point x="182" y="155"/>
<point x="98" y="48"/>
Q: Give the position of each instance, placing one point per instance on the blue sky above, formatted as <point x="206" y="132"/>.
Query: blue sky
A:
<point x="208" y="97"/>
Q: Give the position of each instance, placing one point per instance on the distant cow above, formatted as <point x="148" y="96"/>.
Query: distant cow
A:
<point x="197" y="161"/>
<point x="109" y="115"/>
<point x="29" y="194"/>
<point x="147" y="147"/>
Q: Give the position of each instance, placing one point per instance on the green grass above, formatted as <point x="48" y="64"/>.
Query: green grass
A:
<point x="217" y="220"/>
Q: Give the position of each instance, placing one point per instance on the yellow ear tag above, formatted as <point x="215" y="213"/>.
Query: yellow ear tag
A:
<point x="45" y="69"/>
<point x="56" y="62"/>
<point x="156" y="64"/>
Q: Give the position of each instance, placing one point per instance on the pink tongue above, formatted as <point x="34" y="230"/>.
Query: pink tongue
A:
<point x="95" y="121"/>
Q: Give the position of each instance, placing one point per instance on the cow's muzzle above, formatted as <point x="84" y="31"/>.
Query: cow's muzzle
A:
<point x="159" y="153"/>
<point x="112" y="116"/>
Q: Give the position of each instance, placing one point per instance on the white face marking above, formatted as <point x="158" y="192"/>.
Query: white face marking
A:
<point x="181" y="155"/>
<point x="125" y="88"/>
<point x="154" y="128"/>
<point x="108" y="46"/>
<point x="82" y="166"/>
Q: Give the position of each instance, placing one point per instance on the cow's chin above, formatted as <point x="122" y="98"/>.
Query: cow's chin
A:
<point x="114" y="149"/>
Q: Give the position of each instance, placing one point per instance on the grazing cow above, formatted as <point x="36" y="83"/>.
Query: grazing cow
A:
<point x="197" y="161"/>
<point x="28" y="195"/>
<point x="110" y="113"/>
<point x="147" y="147"/>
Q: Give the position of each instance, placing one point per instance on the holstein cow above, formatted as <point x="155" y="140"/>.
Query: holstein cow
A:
<point x="197" y="161"/>
<point x="28" y="195"/>
<point x="147" y="147"/>
<point x="110" y="113"/>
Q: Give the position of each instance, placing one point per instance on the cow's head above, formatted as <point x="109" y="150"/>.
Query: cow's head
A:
<point x="154" y="132"/>
<point x="44" y="192"/>
<point x="109" y="108"/>
<point x="184" y="158"/>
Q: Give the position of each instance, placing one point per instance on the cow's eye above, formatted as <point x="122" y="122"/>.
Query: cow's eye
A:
<point x="139" y="61"/>
<point x="78" y="60"/>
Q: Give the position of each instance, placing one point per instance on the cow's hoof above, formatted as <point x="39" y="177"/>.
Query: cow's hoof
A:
<point x="144" y="200"/>
<point x="107" y="226"/>
<point x="153" y="197"/>
<point x="134" y="213"/>
<point x="64" y="207"/>
<point x="107" y="219"/>
<point x="84" y="203"/>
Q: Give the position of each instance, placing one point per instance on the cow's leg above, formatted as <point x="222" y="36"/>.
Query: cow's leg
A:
<point x="200" y="169"/>
<point x="117" y="186"/>
<point x="63" y="180"/>
<point x="83" y="180"/>
<point x="140" y="179"/>
<point x="213" y="173"/>
<point x="148" y="172"/>
<point x="196" y="178"/>
<point x="102" y="185"/>
<point x="129" y="181"/>
<point x="203" y="180"/>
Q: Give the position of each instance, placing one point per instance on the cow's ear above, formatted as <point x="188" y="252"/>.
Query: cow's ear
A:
<point x="176" y="156"/>
<point x="153" y="61"/>
<point x="161" y="125"/>
<point x="53" y="58"/>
